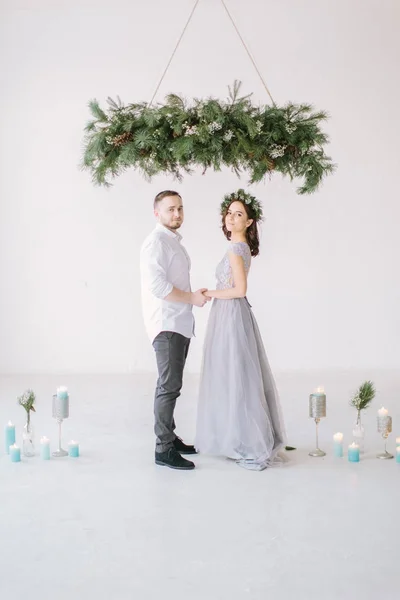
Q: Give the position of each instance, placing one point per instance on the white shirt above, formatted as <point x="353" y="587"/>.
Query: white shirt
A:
<point x="165" y="264"/>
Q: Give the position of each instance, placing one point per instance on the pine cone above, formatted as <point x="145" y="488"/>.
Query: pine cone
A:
<point x="270" y="163"/>
<point x="122" y="139"/>
<point x="294" y="150"/>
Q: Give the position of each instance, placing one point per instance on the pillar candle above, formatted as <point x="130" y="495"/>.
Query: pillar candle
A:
<point x="15" y="453"/>
<point x="338" y="445"/>
<point x="62" y="392"/>
<point x="353" y="453"/>
<point x="9" y="433"/>
<point x="73" y="449"/>
<point x="45" y="448"/>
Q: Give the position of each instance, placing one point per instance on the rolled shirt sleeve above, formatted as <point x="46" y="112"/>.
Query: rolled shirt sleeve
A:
<point x="154" y="267"/>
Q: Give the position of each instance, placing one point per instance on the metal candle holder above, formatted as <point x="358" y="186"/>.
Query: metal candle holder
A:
<point x="384" y="427"/>
<point x="317" y="410"/>
<point x="60" y="412"/>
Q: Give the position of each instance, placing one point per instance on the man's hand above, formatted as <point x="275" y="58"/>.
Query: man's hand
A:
<point x="198" y="298"/>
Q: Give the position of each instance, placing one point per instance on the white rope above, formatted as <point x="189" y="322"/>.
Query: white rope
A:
<point x="174" y="52"/>
<point x="181" y="37"/>
<point x="248" y="52"/>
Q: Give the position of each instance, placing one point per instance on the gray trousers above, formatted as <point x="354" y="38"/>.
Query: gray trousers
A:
<point x="171" y="352"/>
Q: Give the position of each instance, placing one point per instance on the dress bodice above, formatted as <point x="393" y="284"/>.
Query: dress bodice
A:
<point x="224" y="270"/>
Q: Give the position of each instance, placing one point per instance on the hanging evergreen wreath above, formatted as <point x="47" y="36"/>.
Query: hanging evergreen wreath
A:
<point x="177" y="137"/>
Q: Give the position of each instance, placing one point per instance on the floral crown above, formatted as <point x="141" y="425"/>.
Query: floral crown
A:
<point x="247" y="199"/>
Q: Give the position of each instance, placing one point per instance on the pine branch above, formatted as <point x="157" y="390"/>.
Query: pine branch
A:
<point x="96" y="111"/>
<point x="364" y="396"/>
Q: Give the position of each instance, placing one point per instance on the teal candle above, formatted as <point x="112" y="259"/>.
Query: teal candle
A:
<point x="338" y="445"/>
<point x="15" y="453"/>
<point x="9" y="434"/>
<point x="353" y="453"/>
<point x="45" y="448"/>
<point x="398" y="454"/>
<point x="73" y="449"/>
<point x="338" y="449"/>
<point x="62" y="393"/>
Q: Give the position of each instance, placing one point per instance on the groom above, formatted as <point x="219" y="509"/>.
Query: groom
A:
<point x="167" y="302"/>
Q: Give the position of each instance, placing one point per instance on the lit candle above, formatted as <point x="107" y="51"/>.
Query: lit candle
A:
<point x="45" y="448"/>
<point x="9" y="433"/>
<point x="73" y="449"/>
<point x="15" y="453"/>
<point x="383" y="412"/>
<point x="397" y="441"/>
<point x="398" y="454"/>
<point x="62" y="392"/>
<point x="320" y="390"/>
<point x="353" y="453"/>
<point x="338" y="444"/>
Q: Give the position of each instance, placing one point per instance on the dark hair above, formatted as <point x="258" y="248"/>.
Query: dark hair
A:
<point x="251" y="232"/>
<point x="163" y="195"/>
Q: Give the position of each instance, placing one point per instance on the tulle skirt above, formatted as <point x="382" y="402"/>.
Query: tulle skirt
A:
<point x="239" y="415"/>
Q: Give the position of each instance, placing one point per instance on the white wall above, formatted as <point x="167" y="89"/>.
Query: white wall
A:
<point x="326" y="287"/>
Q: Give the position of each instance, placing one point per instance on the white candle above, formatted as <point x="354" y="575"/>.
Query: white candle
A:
<point x="383" y="412"/>
<point x="73" y="449"/>
<point x="338" y="437"/>
<point x="9" y="433"/>
<point x="45" y="448"/>
<point x="353" y="453"/>
<point x="62" y="391"/>
<point x="15" y="453"/>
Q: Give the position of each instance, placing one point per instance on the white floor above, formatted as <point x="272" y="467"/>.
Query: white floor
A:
<point x="113" y="526"/>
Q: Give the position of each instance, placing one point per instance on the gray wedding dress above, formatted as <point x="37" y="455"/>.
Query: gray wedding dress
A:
<point x="239" y="415"/>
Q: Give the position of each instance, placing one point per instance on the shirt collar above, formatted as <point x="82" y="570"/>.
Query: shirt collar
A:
<point x="172" y="234"/>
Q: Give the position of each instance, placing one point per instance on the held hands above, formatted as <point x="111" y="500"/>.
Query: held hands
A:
<point x="199" y="299"/>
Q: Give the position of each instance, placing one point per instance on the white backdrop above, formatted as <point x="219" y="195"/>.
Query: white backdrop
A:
<point x="326" y="287"/>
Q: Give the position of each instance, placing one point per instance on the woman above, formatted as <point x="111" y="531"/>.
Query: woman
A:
<point x="238" y="413"/>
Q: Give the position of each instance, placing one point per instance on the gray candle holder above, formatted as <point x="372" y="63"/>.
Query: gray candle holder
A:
<point x="384" y="426"/>
<point x="60" y="412"/>
<point x="317" y="410"/>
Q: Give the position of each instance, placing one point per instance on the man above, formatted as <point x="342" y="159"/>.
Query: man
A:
<point x="167" y="302"/>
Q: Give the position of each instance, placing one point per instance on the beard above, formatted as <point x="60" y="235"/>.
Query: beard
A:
<point x="171" y="224"/>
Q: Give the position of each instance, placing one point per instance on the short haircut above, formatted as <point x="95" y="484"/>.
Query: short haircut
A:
<point x="163" y="195"/>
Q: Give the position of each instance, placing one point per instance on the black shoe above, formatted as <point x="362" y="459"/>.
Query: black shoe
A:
<point x="183" y="448"/>
<point x="171" y="458"/>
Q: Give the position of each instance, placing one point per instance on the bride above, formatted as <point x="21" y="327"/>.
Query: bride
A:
<point x="239" y="415"/>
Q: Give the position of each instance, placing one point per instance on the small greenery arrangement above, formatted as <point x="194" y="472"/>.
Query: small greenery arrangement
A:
<point x="363" y="397"/>
<point x="27" y="401"/>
